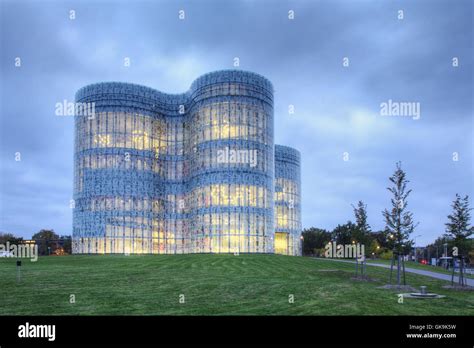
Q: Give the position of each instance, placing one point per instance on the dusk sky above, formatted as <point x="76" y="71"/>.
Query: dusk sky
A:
<point x="337" y="108"/>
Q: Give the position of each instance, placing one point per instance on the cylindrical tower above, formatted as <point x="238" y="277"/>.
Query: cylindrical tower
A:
<point x="231" y="163"/>
<point x="119" y="188"/>
<point x="287" y="201"/>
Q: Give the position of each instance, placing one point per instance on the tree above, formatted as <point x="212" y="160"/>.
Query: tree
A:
<point x="381" y="238"/>
<point x="362" y="233"/>
<point x="399" y="221"/>
<point x="46" y="239"/>
<point x="360" y="213"/>
<point x="374" y="248"/>
<point x="436" y="249"/>
<point x="459" y="231"/>
<point x="67" y="244"/>
<point x="314" y="239"/>
<point x="10" y="238"/>
<point x="343" y="234"/>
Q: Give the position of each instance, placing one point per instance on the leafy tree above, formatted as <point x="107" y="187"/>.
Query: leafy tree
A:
<point x="399" y="221"/>
<point x="436" y="249"/>
<point x="46" y="239"/>
<point x="67" y="244"/>
<point x="458" y="230"/>
<point x="375" y="248"/>
<point x="314" y="239"/>
<point x="381" y="238"/>
<point x="10" y="237"/>
<point x="343" y="234"/>
<point x="360" y="213"/>
<point x="362" y="233"/>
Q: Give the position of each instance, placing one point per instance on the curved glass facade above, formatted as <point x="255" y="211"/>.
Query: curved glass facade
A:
<point x="184" y="173"/>
<point x="287" y="201"/>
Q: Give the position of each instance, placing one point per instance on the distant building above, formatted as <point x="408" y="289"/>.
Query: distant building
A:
<point x="196" y="172"/>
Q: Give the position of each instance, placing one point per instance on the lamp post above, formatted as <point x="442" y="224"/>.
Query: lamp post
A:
<point x="301" y="248"/>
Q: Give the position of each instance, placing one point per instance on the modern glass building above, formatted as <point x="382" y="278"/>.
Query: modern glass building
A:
<point x="196" y="172"/>
<point x="287" y="201"/>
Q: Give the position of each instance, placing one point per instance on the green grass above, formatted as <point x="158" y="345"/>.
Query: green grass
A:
<point x="212" y="285"/>
<point x="416" y="265"/>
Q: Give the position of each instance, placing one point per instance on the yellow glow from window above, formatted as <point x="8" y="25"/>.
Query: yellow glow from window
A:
<point x="141" y="140"/>
<point x="282" y="217"/>
<point x="224" y="191"/>
<point x="232" y="195"/>
<point x="233" y="131"/>
<point x="281" y="243"/>
<point x="225" y="130"/>
<point x="102" y="139"/>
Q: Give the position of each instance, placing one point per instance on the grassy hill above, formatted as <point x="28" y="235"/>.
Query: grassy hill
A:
<point x="211" y="285"/>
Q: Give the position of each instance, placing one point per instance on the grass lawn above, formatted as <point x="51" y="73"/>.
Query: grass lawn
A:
<point x="416" y="265"/>
<point x="211" y="285"/>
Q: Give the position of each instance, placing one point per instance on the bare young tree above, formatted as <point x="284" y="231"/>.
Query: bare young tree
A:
<point x="360" y="213"/>
<point x="458" y="230"/>
<point x="361" y="234"/>
<point x="399" y="221"/>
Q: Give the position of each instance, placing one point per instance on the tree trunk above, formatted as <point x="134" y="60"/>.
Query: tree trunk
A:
<point x="391" y="267"/>
<point x="398" y="270"/>
<point x="461" y="271"/>
<point x="452" y="273"/>
<point x="404" y="279"/>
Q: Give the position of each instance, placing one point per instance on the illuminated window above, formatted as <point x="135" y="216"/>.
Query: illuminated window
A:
<point x="281" y="243"/>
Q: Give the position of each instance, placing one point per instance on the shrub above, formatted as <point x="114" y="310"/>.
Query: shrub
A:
<point x="386" y="255"/>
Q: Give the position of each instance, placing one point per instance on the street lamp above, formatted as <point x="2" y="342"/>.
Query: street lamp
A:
<point x="302" y="239"/>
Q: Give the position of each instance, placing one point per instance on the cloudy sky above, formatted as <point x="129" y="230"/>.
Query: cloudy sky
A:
<point x="337" y="107"/>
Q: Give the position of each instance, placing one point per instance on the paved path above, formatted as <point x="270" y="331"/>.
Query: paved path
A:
<point x="436" y="275"/>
